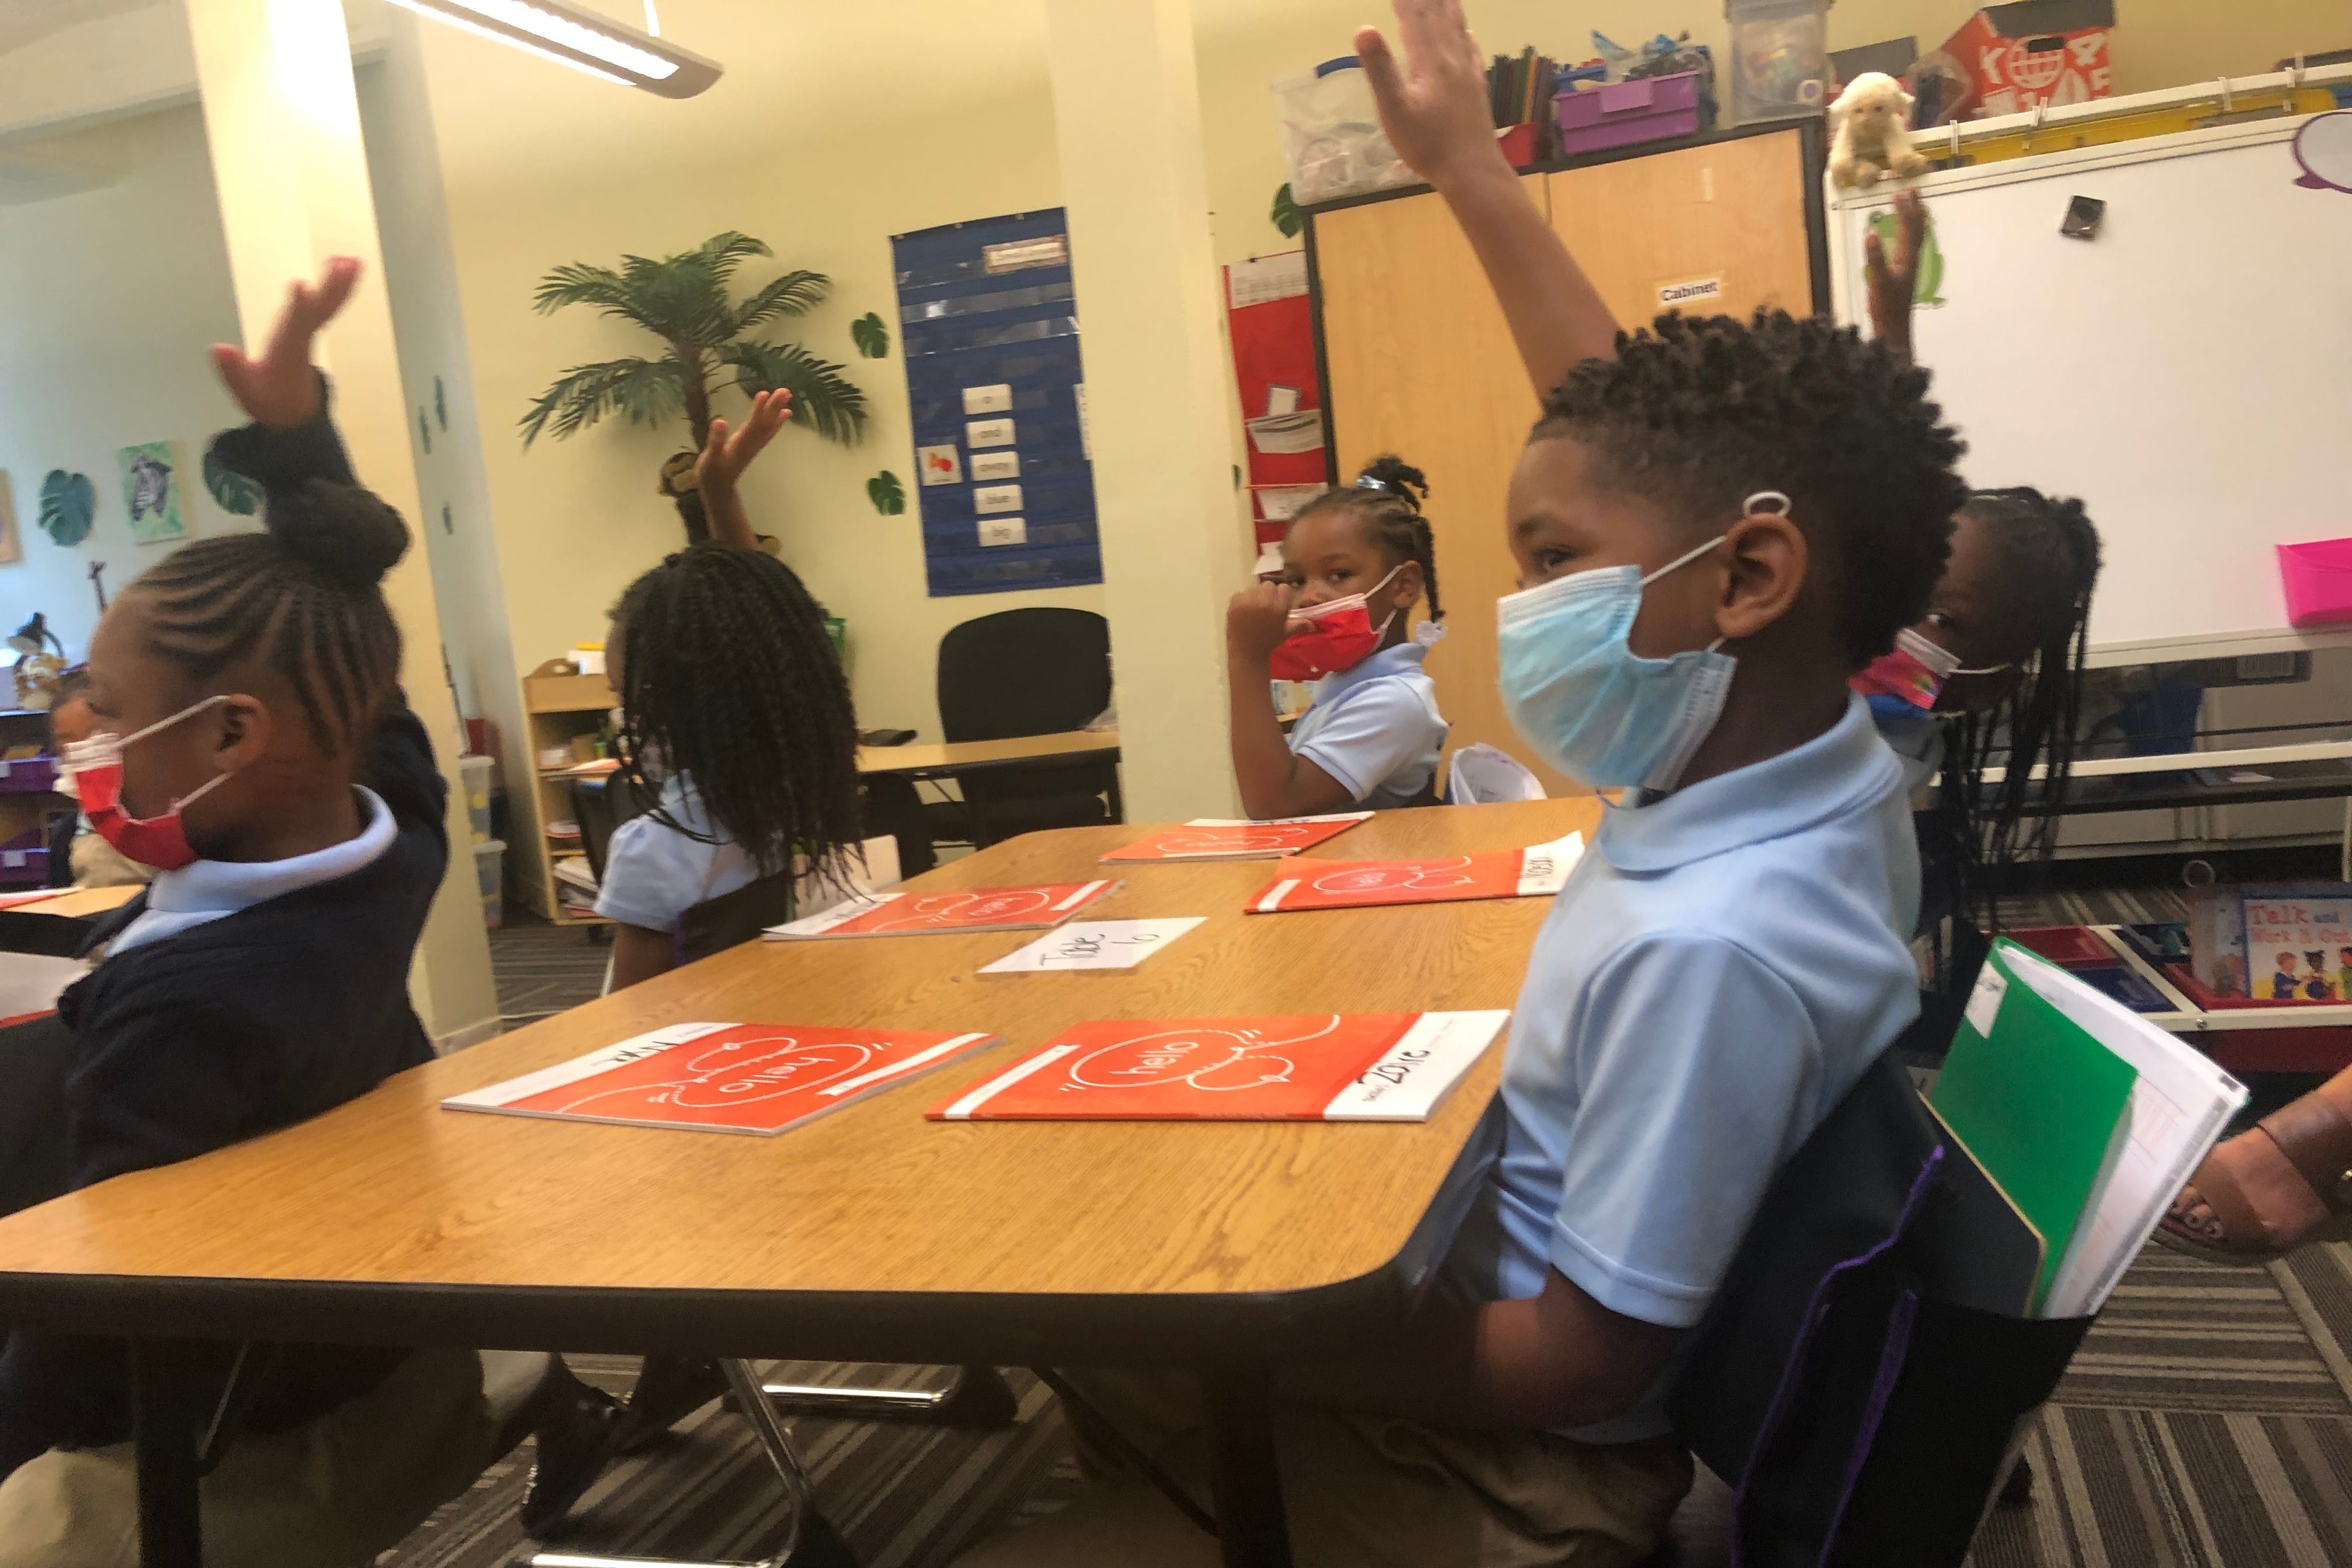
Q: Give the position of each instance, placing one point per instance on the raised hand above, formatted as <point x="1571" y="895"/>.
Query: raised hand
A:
<point x="1891" y="280"/>
<point x="280" y="388"/>
<point x="729" y="452"/>
<point x="1433" y="107"/>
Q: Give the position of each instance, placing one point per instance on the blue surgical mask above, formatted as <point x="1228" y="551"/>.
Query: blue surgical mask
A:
<point x="1588" y="705"/>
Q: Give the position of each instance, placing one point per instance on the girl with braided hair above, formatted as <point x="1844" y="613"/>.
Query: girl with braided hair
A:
<point x="254" y="747"/>
<point x="1355" y="561"/>
<point x="735" y="716"/>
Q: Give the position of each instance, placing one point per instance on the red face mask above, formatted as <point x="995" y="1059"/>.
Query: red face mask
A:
<point x="1333" y="636"/>
<point x="95" y="768"/>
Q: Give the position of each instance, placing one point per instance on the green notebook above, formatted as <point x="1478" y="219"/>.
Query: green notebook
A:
<point x="2037" y="1099"/>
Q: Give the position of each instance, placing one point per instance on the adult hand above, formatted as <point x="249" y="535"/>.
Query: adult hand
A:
<point x="281" y="389"/>
<point x="1433" y="107"/>
<point x="1258" y="620"/>
<point x="1891" y="278"/>
<point x="729" y="452"/>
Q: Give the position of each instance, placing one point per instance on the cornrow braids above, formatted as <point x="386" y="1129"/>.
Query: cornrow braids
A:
<point x="303" y="598"/>
<point x="1700" y="411"/>
<point x="727" y="672"/>
<point x="2049" y="552"/>
<point x="1387" y="498"/>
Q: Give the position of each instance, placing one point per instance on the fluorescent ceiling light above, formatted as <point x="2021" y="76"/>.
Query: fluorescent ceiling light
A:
<point x="572" y="35"/>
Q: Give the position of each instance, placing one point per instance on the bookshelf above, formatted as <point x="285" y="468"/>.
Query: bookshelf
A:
<point x="560" y="707"/>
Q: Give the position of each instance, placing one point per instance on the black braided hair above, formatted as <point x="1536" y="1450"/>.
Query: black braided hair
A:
<point x="304" y="597"/>
<point x="1701" y="412"/>
<point x="727" y="672"/>
<point x="1387" y="498"/>
<point x="2048" y="555"/>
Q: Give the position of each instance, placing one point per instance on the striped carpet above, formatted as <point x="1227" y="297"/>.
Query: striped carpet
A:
<point x="2207" y="1421"/>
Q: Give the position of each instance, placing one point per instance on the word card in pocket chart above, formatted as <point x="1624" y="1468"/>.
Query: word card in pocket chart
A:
<point x="1221" y="838"/>
<point x="1093" y="944"/>
<point x="968" y="909"/>
<point x="1366" y="1066"/>
<point x="1535" y="872"/>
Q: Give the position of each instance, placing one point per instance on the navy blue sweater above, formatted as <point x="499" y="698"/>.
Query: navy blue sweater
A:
<point x="246" y="1024"/>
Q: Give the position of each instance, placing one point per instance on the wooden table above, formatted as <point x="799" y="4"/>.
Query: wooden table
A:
<point x="872" y="1235"/>
<point x="964" y="756"/>
<point x="81" y="902"/>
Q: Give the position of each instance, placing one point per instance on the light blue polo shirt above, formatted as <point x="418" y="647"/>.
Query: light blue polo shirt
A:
<point x="654" y="873"/>
<point x="1706" y="987"/>
<point x="1375" y="728"/>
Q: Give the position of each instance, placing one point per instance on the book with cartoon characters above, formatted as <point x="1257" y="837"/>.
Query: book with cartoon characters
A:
<point x="1366" y="1066"/>
<point x="1224" y="839"/>
<point x="967" y="909"/>
<point x="1535" y="872"/>
<point x="723" y="1077"/>
<point x="2299" y="943"/>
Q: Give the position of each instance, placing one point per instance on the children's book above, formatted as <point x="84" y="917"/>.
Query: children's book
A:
<point x="723" y="1077"/>
<point x="972" y="908"/>
<point x="1222" y="838"/>
<point x="1535" y="872"/>
<point x="2299" y="942"/>
<point x="2217" y="940"/>
<point x="1371" y="1067"/>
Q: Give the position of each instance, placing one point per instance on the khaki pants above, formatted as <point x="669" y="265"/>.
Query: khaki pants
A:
<point x="1361" y="1490"/>
<point x="329" y="1495"/>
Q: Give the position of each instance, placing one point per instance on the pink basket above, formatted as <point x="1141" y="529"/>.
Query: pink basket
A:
<point x="2318" y="577"/>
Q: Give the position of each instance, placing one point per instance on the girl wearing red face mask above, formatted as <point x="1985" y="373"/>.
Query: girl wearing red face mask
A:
<point x="1355" y="562"/>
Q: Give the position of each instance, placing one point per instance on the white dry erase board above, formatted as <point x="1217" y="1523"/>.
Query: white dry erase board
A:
<point x="2188" y="372"/>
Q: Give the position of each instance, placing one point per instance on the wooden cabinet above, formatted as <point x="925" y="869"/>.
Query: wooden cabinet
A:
<point x="1417" y="360"/>
<point x="566" y="711"/>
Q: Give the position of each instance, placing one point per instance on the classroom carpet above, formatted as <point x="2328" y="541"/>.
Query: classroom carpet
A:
<point x="2206" y="1423"/>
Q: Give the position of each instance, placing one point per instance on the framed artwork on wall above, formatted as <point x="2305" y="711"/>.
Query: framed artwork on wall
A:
<point x="152" y="483"/>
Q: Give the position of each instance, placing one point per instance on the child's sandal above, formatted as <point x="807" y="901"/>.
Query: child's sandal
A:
<point x="2285" y="1184"/>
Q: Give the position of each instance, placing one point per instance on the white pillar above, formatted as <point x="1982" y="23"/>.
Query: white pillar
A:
<point x="283" y="121"/>
<point x="1127" y="111"/>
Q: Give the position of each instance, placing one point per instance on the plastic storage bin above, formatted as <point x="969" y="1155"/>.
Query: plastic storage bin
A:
<point x="489" y="871"/>
<point x="1331" y="135"/>
<point x="25" y="860"/>
<point x="1779" y="58"/>
<point x="475" y="774"/>
<point x="2318" y="577"/>
<point x="27" y="774"/>
<point x="1620" y="113"/>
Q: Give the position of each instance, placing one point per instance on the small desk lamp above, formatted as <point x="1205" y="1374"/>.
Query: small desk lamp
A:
<point x="30" y="636"/>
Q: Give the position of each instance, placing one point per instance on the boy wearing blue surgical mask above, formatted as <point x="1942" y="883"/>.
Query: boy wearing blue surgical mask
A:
<point x="1714" y="527"/>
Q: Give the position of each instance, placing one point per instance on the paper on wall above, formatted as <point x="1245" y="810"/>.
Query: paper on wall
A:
<point x="1262" y="280"/>
<point x="1280" y="503"/>
<point x="988" y="433"/>
<point x="1004" y="531"/>
<point x="996" y="465"/>
<point x="1301" y="430"/>
<point x="997" y="399"/>
<point x="990" y="499"/>
<point x="939" y="465"/>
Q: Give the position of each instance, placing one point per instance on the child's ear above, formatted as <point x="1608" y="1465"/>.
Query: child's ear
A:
<point x="1767" y="573"/>
<point x="242" y="732"/>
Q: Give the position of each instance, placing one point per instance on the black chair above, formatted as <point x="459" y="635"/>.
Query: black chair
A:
<point x="1039" y="671"/>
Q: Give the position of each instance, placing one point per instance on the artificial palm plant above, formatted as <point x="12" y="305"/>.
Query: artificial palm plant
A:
<point x="713" y="343"/>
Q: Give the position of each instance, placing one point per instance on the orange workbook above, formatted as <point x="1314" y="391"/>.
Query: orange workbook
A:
<point x="1222" y="838"/>
<point x="723" y="1077"/>
<point x="1535" y="872"/>
<point x="1364" y="1067"/>
<point x="971" y="909"/>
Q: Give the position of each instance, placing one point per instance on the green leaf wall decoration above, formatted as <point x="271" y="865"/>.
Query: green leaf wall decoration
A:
<point x="1285" y="214"/>
<point x="871" y="334"/>
<point x="236" y="494"/>
<point x="68" y="504"/>
<point x="889" y="496"/>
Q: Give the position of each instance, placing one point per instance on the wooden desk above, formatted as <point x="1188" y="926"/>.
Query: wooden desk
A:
<point x="81" y="902"/>
<point x="871" y="1234"/>
<point x="963" y="756"/>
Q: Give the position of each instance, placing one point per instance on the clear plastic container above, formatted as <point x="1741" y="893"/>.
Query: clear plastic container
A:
<point x="477" y="773"/>
<point x="1779" y="58"/>
<point x="1331" y="135"/>
<point x="490" y="872"/>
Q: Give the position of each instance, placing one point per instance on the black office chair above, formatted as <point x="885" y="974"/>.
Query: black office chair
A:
<point x="1036" y="671"/>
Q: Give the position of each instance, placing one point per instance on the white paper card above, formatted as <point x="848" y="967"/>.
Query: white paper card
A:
<point x="1984" y="1001"/>
<point x="939" y="465"/>
<point x="1262" y="280"/>
<point x="997" y="399"/>
<point x="996" y="465"/>
<point x="1280" y="503"/>
<point x="996" y="498"/>
<point x="979" y="433"/>
<point x="1004" y="531"/>
<point x="1300" y="430"/>
<point x="1281" y="399"/>
<point x="1098" y="944"/>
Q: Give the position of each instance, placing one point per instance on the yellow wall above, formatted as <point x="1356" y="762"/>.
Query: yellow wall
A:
<point x="837" y="126"/>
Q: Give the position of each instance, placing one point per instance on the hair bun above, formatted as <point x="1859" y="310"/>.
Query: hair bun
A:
<point x="346" y="533"/>
<point x="1398" y="477"/>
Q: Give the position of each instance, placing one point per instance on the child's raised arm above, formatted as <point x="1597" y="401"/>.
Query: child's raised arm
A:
<point x="1433" y="107"/>
<point x="724" y="457"/>
<point x="1892" y="280"/>
<point x="281" y="390"/>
